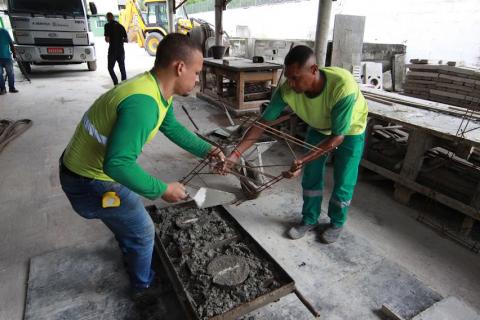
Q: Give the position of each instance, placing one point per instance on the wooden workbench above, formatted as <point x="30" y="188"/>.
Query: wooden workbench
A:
<point x="236" y="74"/>
<point x="427" y="129"/>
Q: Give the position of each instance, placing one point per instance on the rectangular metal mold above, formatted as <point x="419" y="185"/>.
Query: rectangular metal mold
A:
<point x="287" y="284"/>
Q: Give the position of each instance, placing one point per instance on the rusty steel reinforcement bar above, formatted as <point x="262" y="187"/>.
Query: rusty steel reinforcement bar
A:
<point x="189" y="117"/>
<point x="307" y="304"/>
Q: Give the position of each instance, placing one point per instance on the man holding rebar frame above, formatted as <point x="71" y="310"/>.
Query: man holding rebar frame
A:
<point x="330" y="102"/>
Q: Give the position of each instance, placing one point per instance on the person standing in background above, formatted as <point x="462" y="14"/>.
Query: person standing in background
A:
<point x="115" y="35"/>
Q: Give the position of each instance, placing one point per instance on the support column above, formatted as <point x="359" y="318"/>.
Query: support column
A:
<point x="171" y="15"/>
<point x="321" y="35"/>
<point x="219" y="7"/>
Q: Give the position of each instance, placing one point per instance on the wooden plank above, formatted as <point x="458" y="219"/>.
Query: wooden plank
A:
<point x="250" y="108"/>
<point x="432" y="75"/>
<point x="257" y="76"/>
<point x="242" y="65"/>
<point x="447" y="94"/>
<point x="455" y="78"/>
<point x="467" y="226"/>
<point x="446" y="200"/>
<point x="452" y="86"/>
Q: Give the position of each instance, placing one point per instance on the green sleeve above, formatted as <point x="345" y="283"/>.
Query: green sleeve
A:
<point x="275" y="107"/>
<point x="136" y="117"/>
<point x="341" y="115"/>
<point x="183" y="137"/>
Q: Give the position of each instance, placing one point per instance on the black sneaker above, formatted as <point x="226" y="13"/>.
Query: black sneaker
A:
<point x="144" y="296"/>
<point x="148" y="296"/>
<point x="331" y="234"/>
<point x="2" y="92"/>
<point x="13" y="90"/>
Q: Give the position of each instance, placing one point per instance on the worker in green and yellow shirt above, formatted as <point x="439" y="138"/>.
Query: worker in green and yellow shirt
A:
<point x="330" y="102"/>
<point x="99" y="171"/>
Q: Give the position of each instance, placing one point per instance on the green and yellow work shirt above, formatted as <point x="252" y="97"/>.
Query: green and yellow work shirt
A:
<point x="112" y="133"/>
<point x="339" y="109"/>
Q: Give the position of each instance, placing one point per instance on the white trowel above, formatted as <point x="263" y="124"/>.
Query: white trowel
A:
<point x="207" y="197"/>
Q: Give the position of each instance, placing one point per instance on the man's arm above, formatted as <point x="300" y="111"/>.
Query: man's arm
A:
<point x="183" y="137"/>
<point x="124" y="34"/>
<point x="136" y="118"/>
<point x="12" y="46"/>
<point x="106" y="32"/>
<point x="271" y="113"/>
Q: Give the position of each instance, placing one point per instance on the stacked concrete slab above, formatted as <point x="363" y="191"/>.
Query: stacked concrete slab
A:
<point x="459" y="86"/>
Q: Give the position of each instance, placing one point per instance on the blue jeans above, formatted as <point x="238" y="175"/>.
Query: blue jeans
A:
<point x="7" y="64"/>
<point x="130" y="223"/>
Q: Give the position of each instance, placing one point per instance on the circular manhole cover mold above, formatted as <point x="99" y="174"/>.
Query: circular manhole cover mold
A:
<point x="228" y="271"/>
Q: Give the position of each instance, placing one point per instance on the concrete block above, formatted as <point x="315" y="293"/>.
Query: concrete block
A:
<point x="398" y="72"/>
<point x="387" y="81"/>
<point x="450" y="308"/>
<point x="347" y="41"/>
<point x="372" y="74"/>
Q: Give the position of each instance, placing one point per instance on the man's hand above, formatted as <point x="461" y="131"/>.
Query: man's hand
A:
<point x="295" y="170"/>
<point x="175" y="192"/>
<point x="217" y="158"/>
<point x="216" y="155"/>
<point x="230" y="162"/>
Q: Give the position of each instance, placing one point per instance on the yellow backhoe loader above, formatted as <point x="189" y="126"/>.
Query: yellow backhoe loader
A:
<point x="149" y="29"/>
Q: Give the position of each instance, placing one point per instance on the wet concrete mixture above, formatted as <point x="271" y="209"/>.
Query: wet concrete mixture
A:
<point x="217" y="266"/>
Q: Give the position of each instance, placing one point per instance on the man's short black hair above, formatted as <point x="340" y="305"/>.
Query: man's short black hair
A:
<point x="109" y="14"/>
<point x="299" y="54"/>
<point x="175" y="46"/>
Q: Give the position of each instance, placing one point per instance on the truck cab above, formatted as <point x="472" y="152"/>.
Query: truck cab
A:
<point x="52" y="32"/>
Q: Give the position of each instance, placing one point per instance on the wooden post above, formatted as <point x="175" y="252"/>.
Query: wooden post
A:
<point x="240" y="89"/>
<point x="419" y="141"/>
<point x="468" y="222"/>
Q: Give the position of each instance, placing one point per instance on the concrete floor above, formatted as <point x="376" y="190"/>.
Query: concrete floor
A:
<point x="35" y="216"/>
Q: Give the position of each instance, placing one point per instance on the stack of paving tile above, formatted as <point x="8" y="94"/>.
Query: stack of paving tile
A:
<point x="459" y="86"/>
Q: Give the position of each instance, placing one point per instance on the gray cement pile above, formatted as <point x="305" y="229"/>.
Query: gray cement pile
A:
<point x="196" y="239"/>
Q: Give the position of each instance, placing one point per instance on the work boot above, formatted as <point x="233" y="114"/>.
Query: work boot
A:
<point x="13" y="90"/>
<point x="2" y="92"/>
<point x="144" y="296"/>
<point x="331" y="234"/>
<point x="148" y="296"/>
<point x="299" y="230"/>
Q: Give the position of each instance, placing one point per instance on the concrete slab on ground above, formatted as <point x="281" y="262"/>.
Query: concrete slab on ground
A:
<point x="88" y="283"/>
<point x="449" y="308"/>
